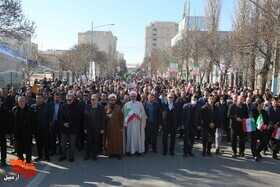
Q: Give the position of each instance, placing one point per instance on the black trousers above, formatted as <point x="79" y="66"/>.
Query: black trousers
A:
<point x="24" y="146"/>
<point x="92" y="145"/>
<point x="255" y="136"/>
<point x="55" y="134"/>
<point x="189" y="140"/>
<point x="43" y="142"/>
<point x="208" y="138"/>
<point x="168" y="130"/>
<point x="151" y="132"/>
<point x="3" y="145"/>
<point x="80" y="141"/>
<point x="242" y="140"/>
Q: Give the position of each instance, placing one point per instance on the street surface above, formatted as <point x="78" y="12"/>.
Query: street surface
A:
<point x="153" y="169"/>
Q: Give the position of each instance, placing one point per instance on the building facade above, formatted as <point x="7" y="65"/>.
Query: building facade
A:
<point x="105" y="40"/>
<point x="159" y="35"/>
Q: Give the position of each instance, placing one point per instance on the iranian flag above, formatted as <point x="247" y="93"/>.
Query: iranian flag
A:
<point x="260" y="123"/>
<point x="129" y="115"/>
<point x="150" y="60"/>
<point x="276" y="133"/>
<point x="248" y="125"/>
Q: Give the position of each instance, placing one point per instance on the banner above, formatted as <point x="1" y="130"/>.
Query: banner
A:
<point x="173" y="67"/>
<point x="196" y="70"/>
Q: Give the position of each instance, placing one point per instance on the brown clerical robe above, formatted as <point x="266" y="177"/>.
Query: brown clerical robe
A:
<point x="113" y="141"/>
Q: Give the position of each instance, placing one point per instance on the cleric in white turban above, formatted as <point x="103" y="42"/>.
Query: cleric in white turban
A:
<point x="133" y="92"/>
<point x="112" y="95"/>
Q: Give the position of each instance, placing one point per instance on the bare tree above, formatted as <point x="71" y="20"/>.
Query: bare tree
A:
<point x="13" y="22"/>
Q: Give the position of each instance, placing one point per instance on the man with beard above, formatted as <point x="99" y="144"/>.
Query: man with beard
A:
<point x="135" y="122"/>
<point x="23" y="128"/>
<point x="113" y="128"/>
<point x="4" y="126"/>
<point x="191" y="120"/>
<point x="274" y="122"/>
<point x="94" y="123"/>
<point x="238" y="112"/>
<point x="43" y="118"/>
<point x="70" y="117"/>
<point x="210" y="120"/>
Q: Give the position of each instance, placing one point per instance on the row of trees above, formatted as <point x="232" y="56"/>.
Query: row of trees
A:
<point x="252" y="46"/>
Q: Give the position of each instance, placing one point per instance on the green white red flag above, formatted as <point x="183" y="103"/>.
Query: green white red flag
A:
<point x="260" y="123"/>
<point x="276" y="133"/>
<point x="248" y="125"/>
<point x="129" y="115"/>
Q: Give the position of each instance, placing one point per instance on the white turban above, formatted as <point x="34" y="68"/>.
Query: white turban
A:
<point x="112" y="95"/>
<point x="133" y="92"/>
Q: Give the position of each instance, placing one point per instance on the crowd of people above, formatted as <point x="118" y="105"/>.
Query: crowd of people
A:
<point x="117" y="117"/>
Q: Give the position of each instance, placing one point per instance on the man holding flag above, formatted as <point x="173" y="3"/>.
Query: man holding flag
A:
<point x="135" y="123"/>
<point x="274" y="126"/>
<point x="261" y="118"/>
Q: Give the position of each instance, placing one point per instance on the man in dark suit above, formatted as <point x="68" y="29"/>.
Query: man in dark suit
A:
<point x="274" y="122"/>
<point x="23" y="128"/>
<point x="238" y="112"/>
<point x="152" y="109"/>
<point x="43" y="118"/>
<point x="70" y="117"/>
<point x="4" y="126"/>
<point x="55" y="108"/>
<point x="170" y="118"/>
<point x="210" y="120"/>
<point x="94" y="124"/>
<point x="191" y="120"/>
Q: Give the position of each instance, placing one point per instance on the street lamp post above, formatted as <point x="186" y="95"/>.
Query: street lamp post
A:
<point x="91" y="39"/>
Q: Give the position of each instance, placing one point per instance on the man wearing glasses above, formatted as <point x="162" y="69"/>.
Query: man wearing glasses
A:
<point x="170" y="116"/>
<point x="70" y="118"/>
<point x="94" y="123"/>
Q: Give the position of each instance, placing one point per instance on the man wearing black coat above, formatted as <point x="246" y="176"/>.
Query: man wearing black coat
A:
<point x="70" y="118"/>
<point x="4" y="126"/>
<point x="23" y="128"/>
<point x="94" y="124"/>
<point x="43" y="119"/>
<point x="170" y="118"/>
<point x="210" y="121"/>
<point x="260" y="135"/>
<point x="238" y="112"/>
<point x="274" y="122"/>
<point x="191" y="120"/>
<point x="153" y="111"/>
<point x="55" y="108"/>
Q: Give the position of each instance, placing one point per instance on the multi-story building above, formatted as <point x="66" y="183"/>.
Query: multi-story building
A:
<point x="104" y="40"/>
<point x="159" y="35"/>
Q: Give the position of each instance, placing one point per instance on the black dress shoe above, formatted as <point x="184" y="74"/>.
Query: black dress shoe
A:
<point x="203" y="153"/>
<point x="209" y="153"/>
<point x="164" y="153"/>
<point x="191" y="154"/>
<point x="94" y="158"/>
<point x="71" y="159"/>
<point x="256" y="158"/>
<point x="62" y="158"/>
<point x="217" y="151"/>
<point x="4" y="164"/>
<point x="185" y="155"/>
<point x="241" y="154"/>
<point x="234" y="155"/>
<point x="86" y="157"/>
<point x="260" y="156"/>
<point x="119" y="157"/>
<point x="38" y="159"/>
<point x="274" y="156"/>
<point x="47" y="159"/>
<point x="172" y="154"/>
<point x="155" y="151"/>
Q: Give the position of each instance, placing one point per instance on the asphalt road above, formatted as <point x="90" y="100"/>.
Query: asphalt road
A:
<point x="153" y="169"/>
